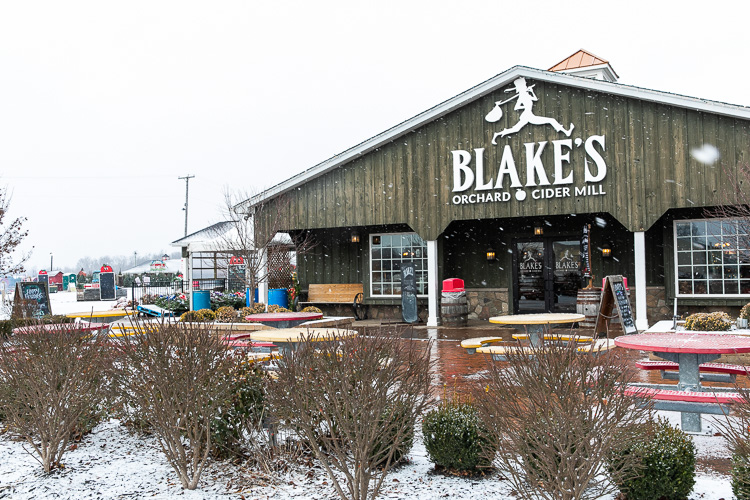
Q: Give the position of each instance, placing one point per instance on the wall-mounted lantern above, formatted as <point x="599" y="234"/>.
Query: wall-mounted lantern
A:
<point x="538" y="231"/>
<point x="355" y="237"/>
<point x="490" y="254"/>
<point x="376" y="240"/>
<point x="607" y="250"/>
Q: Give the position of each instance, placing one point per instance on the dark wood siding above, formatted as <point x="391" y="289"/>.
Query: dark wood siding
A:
<point x="650" y="170"/>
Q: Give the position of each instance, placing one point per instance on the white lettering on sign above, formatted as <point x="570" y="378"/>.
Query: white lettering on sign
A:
<point x="470" y="171"/>
<point x="560" y="165"/>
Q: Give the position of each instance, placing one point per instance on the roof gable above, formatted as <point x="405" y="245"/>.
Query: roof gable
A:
<point x="580" y="59"/>
<point x="491" y="85"/>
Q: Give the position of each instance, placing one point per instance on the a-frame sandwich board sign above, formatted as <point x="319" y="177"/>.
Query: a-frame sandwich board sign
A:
<point x="615" y="297"/>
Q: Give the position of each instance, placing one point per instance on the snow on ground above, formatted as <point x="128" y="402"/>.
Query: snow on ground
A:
<point x="112" y="462"/>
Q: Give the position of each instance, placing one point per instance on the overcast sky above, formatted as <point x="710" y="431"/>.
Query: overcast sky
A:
<point x="103" y="104"/>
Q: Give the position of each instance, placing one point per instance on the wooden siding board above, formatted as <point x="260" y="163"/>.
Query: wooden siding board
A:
<point x="647" y="146"/>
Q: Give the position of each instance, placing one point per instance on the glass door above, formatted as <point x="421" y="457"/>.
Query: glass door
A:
<point x="547" y="275"/>
<point x="530" y="278"/>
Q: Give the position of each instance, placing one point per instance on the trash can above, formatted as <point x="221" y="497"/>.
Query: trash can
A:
<point x="201" y="300"/>
<point x="278" y="296"/>
<point x="247" y="296"/>
<point x="454" y="308"/>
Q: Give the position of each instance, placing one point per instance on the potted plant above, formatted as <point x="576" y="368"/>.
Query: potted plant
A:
<point x="744" y="316"/>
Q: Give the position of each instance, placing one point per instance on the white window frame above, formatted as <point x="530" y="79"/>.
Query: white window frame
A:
<point x="381" y="296"/>
<point x="676" y="265"/>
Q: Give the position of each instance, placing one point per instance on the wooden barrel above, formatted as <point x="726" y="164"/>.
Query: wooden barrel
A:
<point x="454" y="310"/>
<point x="587" y="304"/>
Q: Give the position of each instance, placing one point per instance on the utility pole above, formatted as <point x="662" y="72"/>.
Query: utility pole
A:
<point x="185" y="208"/>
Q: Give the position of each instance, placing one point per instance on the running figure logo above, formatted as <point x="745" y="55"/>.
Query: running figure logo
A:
<point x="526" y="97"/>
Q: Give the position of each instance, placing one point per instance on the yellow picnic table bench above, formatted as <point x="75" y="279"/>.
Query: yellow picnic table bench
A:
<point x="102" y="316"/>
<point x="499" y="352"/>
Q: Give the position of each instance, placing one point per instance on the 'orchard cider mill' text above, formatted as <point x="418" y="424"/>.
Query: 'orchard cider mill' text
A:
<point x="492" y="184"/>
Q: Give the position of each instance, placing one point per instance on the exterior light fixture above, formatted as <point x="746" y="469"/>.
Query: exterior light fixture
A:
<point x="538" y="231"/>
<point x="355" y="237"/>
<point x="376" y="240"/>
<point x="490" y="254"/>
<point x="606" y="250"/>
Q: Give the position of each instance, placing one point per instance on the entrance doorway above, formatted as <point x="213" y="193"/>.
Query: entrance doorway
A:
<point x="546" y="275"/>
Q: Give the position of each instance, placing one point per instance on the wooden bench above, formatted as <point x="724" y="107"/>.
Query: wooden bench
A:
<point x="338" y="293"/>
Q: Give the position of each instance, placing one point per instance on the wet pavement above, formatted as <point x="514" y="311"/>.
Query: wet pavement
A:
<point x="456" y="371"/>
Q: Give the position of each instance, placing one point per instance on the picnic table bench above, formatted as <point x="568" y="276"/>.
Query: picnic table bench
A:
<point x="338" y="293"/>
<point x="727" y="373"/>
<point x="709" y="402"/>
<point x="471" y="345"/>
<point x="499" y="352"/>
<point x="560" y="337"/>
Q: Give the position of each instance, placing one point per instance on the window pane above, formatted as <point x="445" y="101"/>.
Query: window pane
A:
<point x="700" y="273"/>
<point x="684" y="272"/>
<point x="744" y="286"/>
<point x="682" y="228"/>
<point x="715" y="287"/>
<point x="699" y="243"/>
<point x="699" y="258"/>
<point x="745" y="272"/>
<point x="684" y="244"/>
<point x="714" y="272"/>
<point x="731" y="287"/>
<point x="686" y="287"/>
<point x="700" y="288"/>
<point x="699" y="228"/>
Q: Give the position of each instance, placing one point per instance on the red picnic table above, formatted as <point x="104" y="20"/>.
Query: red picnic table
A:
<point x="689" y="351"/>
<point x="284" y="319"/>
<point x="60" y="327"/>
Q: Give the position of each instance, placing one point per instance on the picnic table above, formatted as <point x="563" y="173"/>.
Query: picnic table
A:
<point x="102" y="316"/>
<point x="61" y="327"/>
<point x="536" y="324"/>
<point x="283" y="319"/>
<point x="288" y="338"/>
<point x="689" y="351"/>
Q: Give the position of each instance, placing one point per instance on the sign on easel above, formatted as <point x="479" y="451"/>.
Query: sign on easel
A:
<point x="615" y="296"/>
<point x="31" y="300"/>
<point x="409" y="292"/>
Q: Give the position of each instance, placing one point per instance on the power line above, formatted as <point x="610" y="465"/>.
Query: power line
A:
<point x="187" y="183"/>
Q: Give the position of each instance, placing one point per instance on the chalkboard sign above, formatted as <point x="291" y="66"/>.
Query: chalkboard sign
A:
<point x="615" y="296"/>
<point x="31" y="300"/>
<point x="107" y="286"/>
<point x="409" y="292"/>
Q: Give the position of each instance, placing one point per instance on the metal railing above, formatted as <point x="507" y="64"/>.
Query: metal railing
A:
<point x="157" y="288"/>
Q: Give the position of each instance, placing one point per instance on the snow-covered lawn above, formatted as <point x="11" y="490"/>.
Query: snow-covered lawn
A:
<point x="113" y="462"/>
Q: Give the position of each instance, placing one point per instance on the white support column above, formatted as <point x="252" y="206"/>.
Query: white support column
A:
<point x="432" y="283"/>
<point x="189" y="276"/>
<point x="641" y="321"/>
<point x="263" y="271"/>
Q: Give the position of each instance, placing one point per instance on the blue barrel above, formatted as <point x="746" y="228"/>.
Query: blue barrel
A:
<point x="278" y="296"/>
<point x="247" y="296"/>
<point x="201" y="300"/>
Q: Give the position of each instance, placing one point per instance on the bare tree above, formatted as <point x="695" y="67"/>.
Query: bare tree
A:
<point x="51" y="378"/>
<point x="735" y="196"/>
<point x="554" y="415"/>
<point x="355" y="401"/>
<point x="251" y="232"/>
<point x="175" y="376"/>
<point x="12" y="234"/>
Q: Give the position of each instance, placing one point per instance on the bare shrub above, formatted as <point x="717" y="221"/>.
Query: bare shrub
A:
<point x="176" y="376"/>
<point x="736" y="430"/>
<point x="52" y="378"/>
<point x="355" y="401"/>
<point x="554" y="415"/>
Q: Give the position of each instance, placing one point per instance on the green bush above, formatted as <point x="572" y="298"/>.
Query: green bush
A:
<point x="455" y="438"/>
<point x="745" y="312"/>
<point x="383" y="446"/>
<point x="708" y="322"/>
<point x="206" y="315"/>
<point x="226" y="314"/>
<point x="667" y="457"/>
<point x="274" y="308"/>
<point x="741" y="477"/>
<point x="243" y="410"/>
